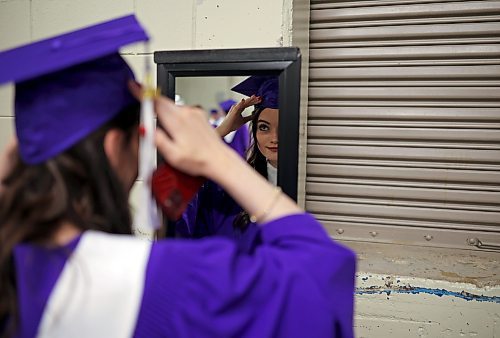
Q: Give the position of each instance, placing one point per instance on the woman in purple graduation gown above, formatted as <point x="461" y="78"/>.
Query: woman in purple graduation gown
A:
<point x="213" y="212"/>
<point x="69" y="266"/>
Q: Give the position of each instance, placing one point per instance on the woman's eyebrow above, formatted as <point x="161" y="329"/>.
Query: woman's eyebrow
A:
<point x="264" y="121"/>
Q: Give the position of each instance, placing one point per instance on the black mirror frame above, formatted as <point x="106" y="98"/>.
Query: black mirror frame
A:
<point x="284" y="62"/>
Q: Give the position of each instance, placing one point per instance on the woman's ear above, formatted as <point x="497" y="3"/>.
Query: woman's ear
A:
<point x="113" y="146"/>
<point x="122" y="155"/>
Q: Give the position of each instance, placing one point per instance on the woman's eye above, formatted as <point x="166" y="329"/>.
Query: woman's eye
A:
<point x="263" y="127"/>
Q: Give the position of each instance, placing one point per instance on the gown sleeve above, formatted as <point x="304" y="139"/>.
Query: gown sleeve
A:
<point x="297" y="283"/>
<point x="241" y="141"/>
<point x="212" y="213"/>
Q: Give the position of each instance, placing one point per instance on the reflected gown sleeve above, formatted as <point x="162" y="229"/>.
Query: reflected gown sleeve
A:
<point x="297" y="283"/>
<point x="241" y="141"/>
<point x="186" y="226"/>
<point x="212" y="213"/>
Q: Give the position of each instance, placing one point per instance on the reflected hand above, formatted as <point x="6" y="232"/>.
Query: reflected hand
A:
<point x="234" y="120"/>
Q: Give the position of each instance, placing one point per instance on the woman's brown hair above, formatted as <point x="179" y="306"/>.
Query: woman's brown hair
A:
<point x="257" y="161"/>
<point x="78" y="186"/>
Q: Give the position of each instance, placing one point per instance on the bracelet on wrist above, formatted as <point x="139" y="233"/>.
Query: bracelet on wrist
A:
<point x="258" y="218"/>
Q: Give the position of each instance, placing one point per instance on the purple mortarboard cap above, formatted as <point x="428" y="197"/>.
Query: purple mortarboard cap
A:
<point x="226" y="105"/>
<point x="267" y="87"/>
<point x="69" y="85"/>
<point x="213" y="111"/>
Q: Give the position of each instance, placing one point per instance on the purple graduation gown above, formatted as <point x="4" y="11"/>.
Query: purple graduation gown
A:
<point x="211" y="213"/>
<point x="241" y="140"/>
<point x="297" y="283"/>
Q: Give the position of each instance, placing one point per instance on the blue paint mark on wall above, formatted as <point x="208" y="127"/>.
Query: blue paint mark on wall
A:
<point x="437" y="292"/>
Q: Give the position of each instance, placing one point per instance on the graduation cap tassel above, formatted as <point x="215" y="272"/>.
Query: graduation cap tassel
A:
<point x="148" y="213"/>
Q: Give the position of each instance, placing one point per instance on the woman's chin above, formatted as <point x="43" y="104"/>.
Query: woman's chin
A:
<point x="273" y="162"/>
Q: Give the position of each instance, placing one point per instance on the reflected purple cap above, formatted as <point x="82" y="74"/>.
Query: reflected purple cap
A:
<point x="226" y="105"/>
<point x="267" y="87"/>
<point x="69" y="85"/>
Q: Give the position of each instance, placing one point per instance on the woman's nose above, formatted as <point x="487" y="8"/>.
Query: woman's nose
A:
<point x="274" y="137"/>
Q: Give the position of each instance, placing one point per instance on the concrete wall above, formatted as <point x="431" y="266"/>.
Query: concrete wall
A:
<point x="408" y="291"/>
<point x="416" y="307"/>
<point x="402" y="291"/>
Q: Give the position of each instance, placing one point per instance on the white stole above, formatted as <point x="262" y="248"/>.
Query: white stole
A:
<point x="99" y="291"/>
<point x="272" y="174"/>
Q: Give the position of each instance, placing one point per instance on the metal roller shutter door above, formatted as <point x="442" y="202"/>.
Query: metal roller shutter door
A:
<point x="404" y="121"/>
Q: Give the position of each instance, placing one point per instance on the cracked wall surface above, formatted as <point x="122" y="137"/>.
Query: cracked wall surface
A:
<point x="390" y="306"/>
<point x="405" y="291"/>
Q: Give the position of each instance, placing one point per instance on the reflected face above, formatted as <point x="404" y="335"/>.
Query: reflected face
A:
<point x="267" y="135"/>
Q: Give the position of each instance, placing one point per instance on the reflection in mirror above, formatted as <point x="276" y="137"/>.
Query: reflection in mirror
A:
<point x="206" y="78"/>
<point x="244" y="111"/>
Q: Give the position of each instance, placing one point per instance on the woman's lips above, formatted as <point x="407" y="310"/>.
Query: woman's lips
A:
<point x="273" y="149"/>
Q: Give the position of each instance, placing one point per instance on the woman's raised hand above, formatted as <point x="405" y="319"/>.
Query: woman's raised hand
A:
<point x="234" y="120"/>
<point x="188" y="142"/>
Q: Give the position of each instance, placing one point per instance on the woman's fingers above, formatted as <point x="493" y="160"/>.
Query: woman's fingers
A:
<point x="167" y="113"/>
<point x="163" y="143"/>
<point x="245" y="103"/>
<point x="234" y="119"/>
<point x="188" y="142"/>
<point x="165" y="146"/>
<point x="252" y="100"/>
<point x="239" y="107"/>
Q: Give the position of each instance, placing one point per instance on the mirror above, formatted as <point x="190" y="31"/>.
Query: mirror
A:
<point x="224" y="67"/>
